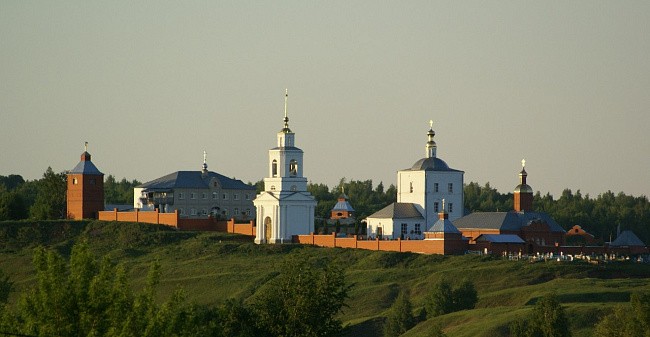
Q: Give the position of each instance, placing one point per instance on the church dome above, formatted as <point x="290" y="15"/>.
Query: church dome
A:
<point x="430" y="164"/>
<point x="523" y="188"/>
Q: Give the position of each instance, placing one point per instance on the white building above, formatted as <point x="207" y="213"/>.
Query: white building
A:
<point x="420" y="193"/>
<point x="284" y="208"/>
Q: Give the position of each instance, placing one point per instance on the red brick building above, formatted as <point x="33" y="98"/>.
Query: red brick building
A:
<point x="536" y="229"/>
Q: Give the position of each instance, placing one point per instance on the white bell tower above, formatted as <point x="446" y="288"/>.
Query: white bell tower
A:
<point x="284" y="208"/>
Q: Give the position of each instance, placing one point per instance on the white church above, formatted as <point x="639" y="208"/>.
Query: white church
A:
<point x="422" y="192"/>
<point x="285" y="207"/>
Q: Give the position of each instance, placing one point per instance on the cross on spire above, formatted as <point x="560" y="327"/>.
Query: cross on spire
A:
<point x="286" y="118"/>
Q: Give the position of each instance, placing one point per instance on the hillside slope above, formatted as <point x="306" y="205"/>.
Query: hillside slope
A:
<point x="213" y="267"/>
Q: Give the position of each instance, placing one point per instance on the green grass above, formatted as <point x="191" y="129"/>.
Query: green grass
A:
<point x="213" y="267"/>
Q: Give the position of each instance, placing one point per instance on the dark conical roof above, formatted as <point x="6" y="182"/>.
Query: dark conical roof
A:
<point x="85" y="166"/>
<point x="627" y="238"/>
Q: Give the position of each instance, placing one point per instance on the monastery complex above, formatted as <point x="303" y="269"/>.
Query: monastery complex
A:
<point x="428" y="216"/>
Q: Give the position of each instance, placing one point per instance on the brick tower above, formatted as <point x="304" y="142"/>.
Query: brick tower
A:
<point x="85" y="194"/>
<point x="523" y="192"/>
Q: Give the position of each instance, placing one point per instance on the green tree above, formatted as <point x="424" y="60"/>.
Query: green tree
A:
<point x="547" y="319"/>
<point x="441" y="300"/>
<point x="86" y="297"/>
<point x="465" y="296"/>
<point x="400" y="317"/>
<point x="303" y="300"/>
<point x="5" y="288"/>
<point x="632" y="320"/>
<point x="12" y="205"/>
<point x="119" y="192"/>
<point x="50" y="201"/>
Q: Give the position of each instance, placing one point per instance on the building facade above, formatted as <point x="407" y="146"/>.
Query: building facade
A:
<point x="197" y="194"/>
<point x="423" y="187"/>
<point x="285" y="208"/>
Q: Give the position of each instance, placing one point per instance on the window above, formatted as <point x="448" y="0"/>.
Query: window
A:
<point x="248" y="196"/>
<point x="192" y="195"/>
<point x="405" y="228"/>
<point x="274" y="168"/>
<point x="215" y="195"/>
<point x="225" y="212"/>
<point x="411" y="187"/>
<point x="225" y="196"/>
<point x="214" y="184"/>
<point x="273" y="188"/>
<point x="181" y="195"/>
<point x="235" y="196"/>
<point x="293" y="167"/>
<point x="74" y="181"/>
<point x="418" y="230"/>
<point x="181" y="211"/>
<point x="204" y="195"/>
<point x="451" y="207"/>
<point x="435" y="207"/>
<point x="193" y="211"/>
<point x="204" y="212"/>
<point x="236" y="211"/>
<point x="450" y="188"/>
<point x="435" y="187"/>
<point x="248" y="211"/>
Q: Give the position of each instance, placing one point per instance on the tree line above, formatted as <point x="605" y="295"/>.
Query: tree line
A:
<point x="602" y="216"/>
<point x="45" y="198"/>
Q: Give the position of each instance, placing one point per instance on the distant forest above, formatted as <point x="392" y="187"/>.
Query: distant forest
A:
<point x="601" y="216"/>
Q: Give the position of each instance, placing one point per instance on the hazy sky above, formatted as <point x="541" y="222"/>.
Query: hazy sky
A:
<point x="152" y="84"/>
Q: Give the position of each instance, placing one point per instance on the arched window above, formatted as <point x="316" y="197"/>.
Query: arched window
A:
<point x="293" y="168"/>
<point x="274" y="168"/>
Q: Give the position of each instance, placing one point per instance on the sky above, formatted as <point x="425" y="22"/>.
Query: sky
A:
<point x="152" y="84"/>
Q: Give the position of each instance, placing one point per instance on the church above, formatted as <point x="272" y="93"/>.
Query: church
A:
<point x="421" y="191"/>
<point x="284" y="208"/>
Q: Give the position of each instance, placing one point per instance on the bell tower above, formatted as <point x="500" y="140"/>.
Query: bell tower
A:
<point x="285" y="208"/>
<point x="85" y="194"/>
<point x="523" y="192"/>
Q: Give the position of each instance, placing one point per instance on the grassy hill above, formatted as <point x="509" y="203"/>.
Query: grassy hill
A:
<point x="213" y="267"/>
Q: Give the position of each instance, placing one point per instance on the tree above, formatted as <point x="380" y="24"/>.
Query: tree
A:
<point x="5" y="288"/>
<point x="86" y="297"/>
<point x="303" y="300"/>
<point x="627" y="321"/>
<point x="465" y="296"/>
<point x="119" y="192"/>
<point x="12" y="205"/>
<point x="546" y="320"/>
<point x="440" y="301"/>
<point x="400" y="317"/>
<point x="11" y="181"/>
<point x="50" y="200"/>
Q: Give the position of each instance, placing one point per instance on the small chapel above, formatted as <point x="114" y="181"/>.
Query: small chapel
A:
<point x="284" y="208"/>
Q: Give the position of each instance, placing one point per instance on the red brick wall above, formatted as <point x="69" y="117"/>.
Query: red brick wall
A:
<point x="452" y="246"/>
<point x="154" y="217"/>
